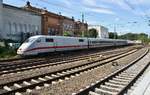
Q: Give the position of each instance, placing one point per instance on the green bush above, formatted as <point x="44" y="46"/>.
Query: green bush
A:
<point x="7" y="52"/>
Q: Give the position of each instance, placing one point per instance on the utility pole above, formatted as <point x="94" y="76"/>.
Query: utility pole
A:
<point x="82" y="18"/>
<point x="60" y="25"/>
<point x="82" y="25"/>
<point x="115" y="31"/>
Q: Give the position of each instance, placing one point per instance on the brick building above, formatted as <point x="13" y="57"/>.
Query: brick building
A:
<point x="56" y="24"/>
<point x="80" y="28"/>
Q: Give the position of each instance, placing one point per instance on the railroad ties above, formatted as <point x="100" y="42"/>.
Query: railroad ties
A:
<point x="115" y="85"/>
<point x="37" y="82"/>
<point x="94" y="61"/>
<point x="119" y="82"/>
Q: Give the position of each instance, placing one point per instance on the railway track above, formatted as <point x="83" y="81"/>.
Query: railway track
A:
<point x="13" y="68"/>
<point x="56" y="54"/>
<point x="120" y="81"/>
<point x="54" y="57"/>
<point x="43" y="80"/>
<point x="19" y="58"/>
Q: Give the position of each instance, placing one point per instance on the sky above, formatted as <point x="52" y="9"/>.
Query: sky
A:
<point x="125" y="15"/>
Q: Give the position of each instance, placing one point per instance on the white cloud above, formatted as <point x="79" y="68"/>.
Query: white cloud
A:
<point x="139" y="2"/>
<point x="121" y="3"/>
<point x="94" y="6"/>
<point x="66" y="2"/>
<point x="101" y="10"/>
<point x="93" y="3"/>
<point x="89" y="2"/>
<point x="93" y="22"/>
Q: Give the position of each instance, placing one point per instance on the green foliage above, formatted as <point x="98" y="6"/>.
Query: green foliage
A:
<point x="66" y="33"/>
<point x="113" y="35"/>
<point x="143" y="37"/>
<point x="129" y="36"/>
<point x="6" y="52"/>
<point x="86" y="34"/>
<point x="134" y="36"/>
<point x="91" y="33"/>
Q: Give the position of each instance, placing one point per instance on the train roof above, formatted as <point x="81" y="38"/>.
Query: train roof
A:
<point x="47" y="36"/>
<point x="39" y="36"/>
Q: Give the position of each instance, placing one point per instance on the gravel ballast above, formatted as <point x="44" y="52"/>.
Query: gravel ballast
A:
<point x="29" y="73"/>
<point x="67" y="87"/>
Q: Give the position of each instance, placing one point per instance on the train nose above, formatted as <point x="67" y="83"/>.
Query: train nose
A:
<point x="20" y="51"/>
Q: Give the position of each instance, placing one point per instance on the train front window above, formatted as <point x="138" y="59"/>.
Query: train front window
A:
<point x="49" y="40"/>
<point x="38" y="41"/>
<point x="29" y="40"/>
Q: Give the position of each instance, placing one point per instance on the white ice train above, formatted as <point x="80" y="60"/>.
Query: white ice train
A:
<point x="43" y="44"/>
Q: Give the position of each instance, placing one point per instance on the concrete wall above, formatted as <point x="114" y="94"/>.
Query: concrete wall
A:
<point x="17" y="23"/>
<point x="104" y="32"/>
<point x="1" y="20"/>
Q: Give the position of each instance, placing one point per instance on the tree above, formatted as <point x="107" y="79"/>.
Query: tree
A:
<point x="134" y="36"/>
<point x="143" y="37"/>
<point x="113" y="35"/>
<point x="86" y="34"/>
<point x="92" y="33"/>
<point x="129" y="36"/>
<point x="66" y="33"/>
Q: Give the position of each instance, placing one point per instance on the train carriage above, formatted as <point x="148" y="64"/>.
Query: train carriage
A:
<point x="70" y="43"/>
<point x="119" y="42"/>
<point x="96" y="42"/>
<point x="44" y="44"/>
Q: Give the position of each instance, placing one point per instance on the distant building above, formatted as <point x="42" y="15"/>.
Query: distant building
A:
<point x="18" y="24"/>
<point x="56" y="24"/>
<point x="102" y="31"/>
<point x="80" y="28"/>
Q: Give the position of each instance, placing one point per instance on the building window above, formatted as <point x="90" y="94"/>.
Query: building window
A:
<point x="30" y="28"/>
<point x="6" y="28"/>
<point x="49" y="31"/>
<point x="14" y="28"/>
<point x="33" y="29"/>
<point x="36" y="30"/>
<point x="20" y="26"/>
<point x="25" y="28"/>
<point x="52" y="29"/>
<point x="9" y="27"/>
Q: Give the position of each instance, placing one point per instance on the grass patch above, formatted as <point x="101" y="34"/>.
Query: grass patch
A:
<point x="7" y="52"/>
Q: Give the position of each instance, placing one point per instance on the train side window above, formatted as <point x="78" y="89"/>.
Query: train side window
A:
<point x="81" y="40"/>
<point x="49" y="40"/>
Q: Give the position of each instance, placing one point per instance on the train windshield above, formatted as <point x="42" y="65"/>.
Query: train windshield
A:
<point x="29" y="40"/>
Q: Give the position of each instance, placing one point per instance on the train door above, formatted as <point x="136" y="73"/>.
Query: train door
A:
<point x="50" y="45"/>
<point x="38" y="46"/>
<point x="59" y="43"/>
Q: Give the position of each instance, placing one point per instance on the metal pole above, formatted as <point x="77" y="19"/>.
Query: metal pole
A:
<point x="114" y="31"/>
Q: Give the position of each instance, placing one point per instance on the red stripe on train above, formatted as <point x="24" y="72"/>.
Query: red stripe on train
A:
<point x="39" y="48"/>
